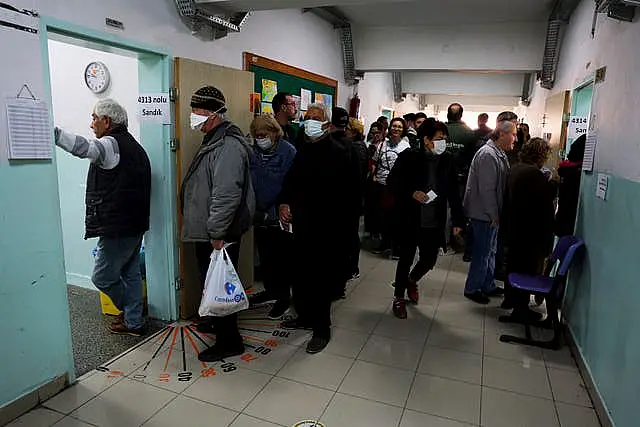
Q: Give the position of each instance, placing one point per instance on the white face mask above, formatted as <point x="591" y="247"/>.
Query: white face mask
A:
<point x="313" y="128"/>
<point x="439" y="146"/>
<point x="197" y="121"/>
<point x="264" y="143"/>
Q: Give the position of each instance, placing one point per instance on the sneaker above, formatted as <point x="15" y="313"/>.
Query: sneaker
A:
<point x="400" y="308"/>
<point x="218" y="353"/>
<point x="206" y="327"/>
<point x="466" y="258"/>
<point x="261" y="298"/>
<point x="121" y="329"/>
<point x="294" y="324"/>
<point x="278" y="310"/>
<point x="496" y="292"/>
<point x="395" y="257"/>
<point x="316" y="345"/>
<point x="478" y="297"/>
<point x="413" y="294"/>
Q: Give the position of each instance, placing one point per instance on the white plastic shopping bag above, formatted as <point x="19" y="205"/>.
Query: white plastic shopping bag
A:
<point x="223" y="293"/>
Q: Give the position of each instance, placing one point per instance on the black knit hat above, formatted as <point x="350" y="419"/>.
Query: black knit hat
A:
<point x="339" y="117"/>
<point x="209" y="98"/>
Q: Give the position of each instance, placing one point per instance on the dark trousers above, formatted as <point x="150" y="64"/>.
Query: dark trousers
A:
<point x="353" y="261"/>
<point x="522" y="260"/>
<point x="275" y="248"/>
<point x="428" y="241"/>
<point x="387" y="217"/>
<point x="319" y="276"/>
<point x="227" y="333"/>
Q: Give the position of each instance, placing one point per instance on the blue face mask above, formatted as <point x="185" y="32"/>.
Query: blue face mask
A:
<point x="313" y="128"/>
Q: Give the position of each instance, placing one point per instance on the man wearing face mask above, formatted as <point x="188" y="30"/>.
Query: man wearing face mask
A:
<point x="218" y="201"/>
<point x="423" y="181"/>
<point x="272" y="157"/>
<point x="324" y="178"/>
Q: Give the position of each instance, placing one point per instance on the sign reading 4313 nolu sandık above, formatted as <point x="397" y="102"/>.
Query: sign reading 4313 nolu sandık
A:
<point x="154" y="107"/>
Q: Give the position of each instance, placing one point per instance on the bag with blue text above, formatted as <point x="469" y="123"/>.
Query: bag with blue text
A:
<point x="223" y="293"/>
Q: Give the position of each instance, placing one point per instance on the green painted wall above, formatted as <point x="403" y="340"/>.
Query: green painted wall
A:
<point x="604" y="291"/>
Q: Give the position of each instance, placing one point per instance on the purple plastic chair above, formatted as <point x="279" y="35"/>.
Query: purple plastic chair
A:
<point x="551" y="288"/>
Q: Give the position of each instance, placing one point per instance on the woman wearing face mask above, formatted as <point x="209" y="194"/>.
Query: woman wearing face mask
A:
<point x="423" y="180"/>
<point x="383" y="162"/>
<point x="271" y="159"/>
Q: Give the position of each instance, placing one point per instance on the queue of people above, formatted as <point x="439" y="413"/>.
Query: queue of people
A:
<point x="304" y="190"/>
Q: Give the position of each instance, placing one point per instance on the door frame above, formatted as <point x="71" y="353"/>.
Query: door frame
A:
<point x="155" y="74"/>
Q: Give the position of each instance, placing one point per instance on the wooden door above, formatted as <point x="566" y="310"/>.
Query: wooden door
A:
<point x="236" y="85"/>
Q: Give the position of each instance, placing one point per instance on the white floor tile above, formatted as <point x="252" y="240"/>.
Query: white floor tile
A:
<point x="81" y="392"/>
<point x="516" y="352"/>
<point x="418" y="419"/>
<point x="505" y="409"/>
<point x="245" y="383"/>
<point x="186" y="411"/>
<point x="466" y="340"/>
<point x="286" y="402"/>
<point x="370" y="302"/>
<point x="460" y="315"/>
<point x="345" y="342"/>
<point x="128" y="403"/>
<point x="379" y="383"/>
<point x="446" y="398"/>
<point x="71" y="422"/>
<point x="576" y="416"/>
<point x="415" y="328"/>
<point x="568" y="387"/>
<point x="452" y="364"/>
<point x="356" y="319"/>
<point x="560" y="359"/>
<point x="357" y="412"/>
<point x="321" y="370"/>
<point x="267" y="364"/>
<point x="516" y="377"/>
<point x="247" y="421"/>
<point x="39" y="417"/>
<point x="394" y="353"/>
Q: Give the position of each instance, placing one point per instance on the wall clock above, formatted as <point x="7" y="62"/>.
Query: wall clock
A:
<point x="96" y="77"/>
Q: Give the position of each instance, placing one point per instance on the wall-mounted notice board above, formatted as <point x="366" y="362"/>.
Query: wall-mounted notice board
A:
<point x="289" y="79"/>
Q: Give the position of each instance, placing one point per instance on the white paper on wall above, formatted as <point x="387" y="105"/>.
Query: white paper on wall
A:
<point x="29" y="130"/>
<point x="589" y="152"/>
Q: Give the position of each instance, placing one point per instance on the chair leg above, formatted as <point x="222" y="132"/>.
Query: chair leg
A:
<point x="553" y="319"/>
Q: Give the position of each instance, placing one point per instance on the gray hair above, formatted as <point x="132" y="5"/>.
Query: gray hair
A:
<point x="504" y="126"/>
<point x="321" y="107"/>
<point x="113" y="110"/>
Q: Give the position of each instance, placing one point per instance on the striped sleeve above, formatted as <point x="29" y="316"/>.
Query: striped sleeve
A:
<point x="103" y="152"/>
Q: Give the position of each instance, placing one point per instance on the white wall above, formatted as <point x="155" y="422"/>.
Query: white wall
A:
<point x="289" y="36"/>
<point x="456" y="83"/>
<point x="617" y="99"/>
<point x="505" y="46"/>
<point x="375" y="92"/>
<point x="73" y="103"/>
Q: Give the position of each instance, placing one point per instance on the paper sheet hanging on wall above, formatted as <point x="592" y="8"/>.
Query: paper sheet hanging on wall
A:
<point x="269" y="90"/>
<point x="578" y="125"/>
<point x="254" y="103"/>
<point x="589" y="152"/>
<point x="267" y="108"/>
<point x="29" y="130"/>
<point x="305" y="99"/>
<point x="297" y="101"/>
<point x="322" y="98"/>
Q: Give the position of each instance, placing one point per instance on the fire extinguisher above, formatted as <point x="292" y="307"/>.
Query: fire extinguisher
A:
<point x="354" y="107"/>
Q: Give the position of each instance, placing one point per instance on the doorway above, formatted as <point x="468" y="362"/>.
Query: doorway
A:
<point x="133" y="70"/>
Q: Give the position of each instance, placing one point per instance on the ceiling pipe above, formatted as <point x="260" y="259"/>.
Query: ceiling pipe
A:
<point x="559" y="18"/>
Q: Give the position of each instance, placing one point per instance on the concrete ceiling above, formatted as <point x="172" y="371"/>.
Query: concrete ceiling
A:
<point x="440" y="12"/>
<point x="405" y="12"/>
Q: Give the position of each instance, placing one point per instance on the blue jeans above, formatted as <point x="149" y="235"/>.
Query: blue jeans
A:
<point x="117" y="274"/>
<point x="483" y="260"/>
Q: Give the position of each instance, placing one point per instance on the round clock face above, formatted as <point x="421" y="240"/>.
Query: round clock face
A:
<point x="96" y="76"/>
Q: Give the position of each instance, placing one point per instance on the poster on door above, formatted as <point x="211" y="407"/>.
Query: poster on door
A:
<point x="578" y="125"/>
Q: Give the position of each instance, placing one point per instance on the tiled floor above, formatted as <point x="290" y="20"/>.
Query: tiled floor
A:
<point x="442" y="367"/>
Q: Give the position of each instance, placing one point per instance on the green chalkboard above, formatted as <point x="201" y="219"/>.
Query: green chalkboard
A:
<point x="290" y="83"/>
